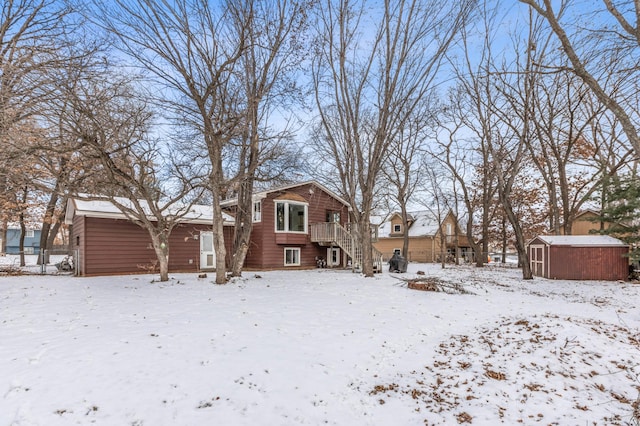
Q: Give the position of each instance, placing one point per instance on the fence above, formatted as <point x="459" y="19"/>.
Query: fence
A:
<point x="59" y="262"/>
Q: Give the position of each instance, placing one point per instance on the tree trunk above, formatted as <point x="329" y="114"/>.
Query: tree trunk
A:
<point x="477" y="248"/>
<point x="23" y="232"/>
<point x="520" y="242"/>
<point x="367" y="247"/>
<point x="405" y="226"/>
<point x="3" y="237"/>
<point x="52" y="234"/>
<point x="161" y="247"/>
<point x="443" y="250"/>
<point x="243" y="227"/>
<point x="218" y="242"/>
<point x="47" y="220"/>
<point x="504" y="239"/>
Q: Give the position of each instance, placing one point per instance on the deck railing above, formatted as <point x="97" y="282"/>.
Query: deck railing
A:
<point x="332" y="233"/>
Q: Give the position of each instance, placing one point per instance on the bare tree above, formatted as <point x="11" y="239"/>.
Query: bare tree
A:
<point x="368" y="85"/>
<point x="461" y="147"/>
<point x="225" y="70"/>
<point x="566" y="144"/>
<point x="404" y="168"/>
<point x="192" y="49"/>
<point x="617" y="37"/>
<point x="438" y="203"/>
<point x="31" y="33"/>
<point x="502" y="99"/>
<point x="110" y="125"/>
<point x="274" y="39"/>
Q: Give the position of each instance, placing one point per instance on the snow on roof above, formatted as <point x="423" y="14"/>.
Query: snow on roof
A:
<point x="107" y="209"/>
<point x="581" y="240"/>
<point x="425" y="224"/>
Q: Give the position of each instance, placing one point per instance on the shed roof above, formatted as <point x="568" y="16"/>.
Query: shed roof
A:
<point x="581" y="240"/>
<point x="102" y="208"/>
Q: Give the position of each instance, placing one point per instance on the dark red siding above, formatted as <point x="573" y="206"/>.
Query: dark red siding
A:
<point x="567" y="262"/>
<point x="117" y="246"/>
<point x="267" y="246"/>
<point x="588" y="263"/>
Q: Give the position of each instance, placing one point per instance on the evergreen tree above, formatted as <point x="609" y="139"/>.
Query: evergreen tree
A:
<point x="621" y="210"/>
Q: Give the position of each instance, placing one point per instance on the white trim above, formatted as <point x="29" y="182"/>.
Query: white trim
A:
<point x="293" y="249"/>
<point x="533" y="262"/>
<point x="286" y="216"/>
<point x="330" y="252"/>
<point x="256" y="215"/>
<point x="399" y="226"/>
<point x="205" y="254"/>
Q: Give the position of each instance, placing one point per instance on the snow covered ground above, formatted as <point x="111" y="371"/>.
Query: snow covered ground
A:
<point x="318" y="347"/>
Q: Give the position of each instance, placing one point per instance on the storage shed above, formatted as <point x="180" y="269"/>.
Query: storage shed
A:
<point x="579" y="257"/>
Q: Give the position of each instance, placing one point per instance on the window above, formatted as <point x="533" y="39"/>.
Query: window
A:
<point x="397" y="228"/>
<point x="257" y="211"/>
<point x="333" y="217"/>
<point x="29" y="233"/>
<point x="291" y="217"/>
<point x="291" y="256"/>
<point x="29" y="250"/>
<point x="397" y="251"/>
<point x="449" y="229"/>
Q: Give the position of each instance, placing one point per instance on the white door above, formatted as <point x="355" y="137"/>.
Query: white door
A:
<point x="333" y="256"/>
<point x="207" y="254"/>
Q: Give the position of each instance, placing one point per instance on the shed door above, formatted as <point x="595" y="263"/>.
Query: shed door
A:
<point x="536" y="259"/>
<point x="207" y="254"/>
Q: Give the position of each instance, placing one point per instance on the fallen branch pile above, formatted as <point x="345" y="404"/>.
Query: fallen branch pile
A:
<point x="434" y="284"/>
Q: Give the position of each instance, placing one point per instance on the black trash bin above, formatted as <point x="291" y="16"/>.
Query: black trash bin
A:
<point x="397" y="263"/>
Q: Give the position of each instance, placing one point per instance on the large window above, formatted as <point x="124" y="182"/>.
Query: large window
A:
<point x="291" y="217"/>
<point x="291" y="256"/>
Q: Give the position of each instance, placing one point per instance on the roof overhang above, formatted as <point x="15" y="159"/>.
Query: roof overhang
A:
<point x="104" y="209"/>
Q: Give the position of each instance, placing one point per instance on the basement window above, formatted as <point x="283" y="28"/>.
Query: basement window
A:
<point x="291" y="256"/>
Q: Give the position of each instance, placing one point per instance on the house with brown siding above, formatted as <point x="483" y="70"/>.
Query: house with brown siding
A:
<point x="106" y="242"/>
<point x="429" y="238"/>
<point x="294" y="226"/>
<point x="586" y="223"/>
<point x="286" y="221"/>
<point x="579" y="257"/>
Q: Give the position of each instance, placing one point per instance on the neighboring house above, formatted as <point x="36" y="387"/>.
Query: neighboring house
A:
<point x="426" y="237"/>
<point x="31" y="241"/>
<point x="294" y="226"/>
<point x="579" y="257"/>
<point x="586" y="223"/>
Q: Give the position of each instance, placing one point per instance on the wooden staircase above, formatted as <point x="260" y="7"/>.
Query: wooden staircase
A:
<point x="334" y="234"/>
